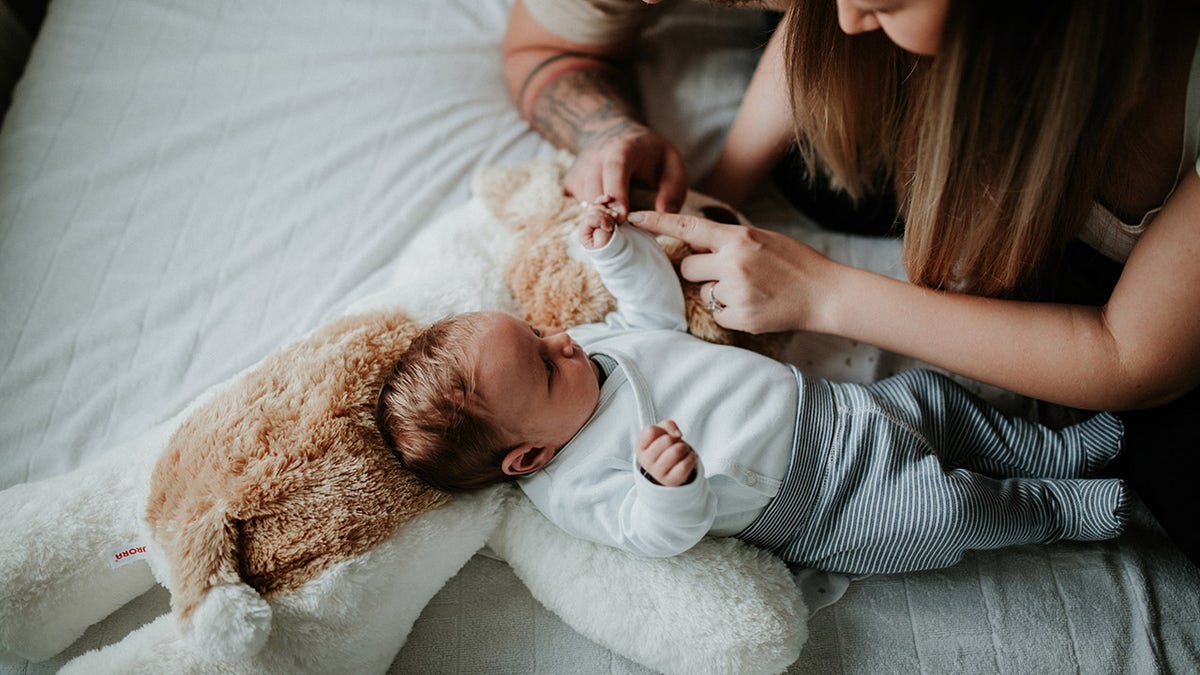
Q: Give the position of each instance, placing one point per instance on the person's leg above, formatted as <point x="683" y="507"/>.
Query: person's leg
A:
<point x="918" y="517"/>
<point x="965" y="431"/>
<point x="887" y="504"/>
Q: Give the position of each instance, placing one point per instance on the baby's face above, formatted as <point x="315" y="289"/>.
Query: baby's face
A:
<point x="536" y="382"/>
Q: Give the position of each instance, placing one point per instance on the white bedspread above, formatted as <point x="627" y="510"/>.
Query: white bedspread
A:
<point x="186" y="185"/>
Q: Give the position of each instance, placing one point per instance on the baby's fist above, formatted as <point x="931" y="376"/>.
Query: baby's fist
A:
<point x="598" y="223"/>
<point x="664" y="455"/>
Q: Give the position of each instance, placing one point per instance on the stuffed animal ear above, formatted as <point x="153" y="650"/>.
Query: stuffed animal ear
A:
<point x="279" y="477"/>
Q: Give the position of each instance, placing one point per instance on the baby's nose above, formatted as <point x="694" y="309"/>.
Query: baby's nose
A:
<point x="564" y="343"/>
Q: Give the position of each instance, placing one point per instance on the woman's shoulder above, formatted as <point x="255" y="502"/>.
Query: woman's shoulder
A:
<point x="1146" y="164"/>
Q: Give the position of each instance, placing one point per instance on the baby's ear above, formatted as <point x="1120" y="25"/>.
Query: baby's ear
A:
<point x="525" y="459"/>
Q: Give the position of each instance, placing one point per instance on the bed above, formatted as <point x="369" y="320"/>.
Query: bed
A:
<point x="187" y="185"/>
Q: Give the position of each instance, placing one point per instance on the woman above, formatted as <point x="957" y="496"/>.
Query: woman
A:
<point x="1045" y="161"/>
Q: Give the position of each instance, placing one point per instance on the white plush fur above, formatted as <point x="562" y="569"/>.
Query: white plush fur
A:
<point x="232" y="622"/>
<point x="722" y="607"/>
<point x="56" y="536"/>
<point x="747" y="618"/>
<point x="454" y="265"/>
<point x="353" y="618"/>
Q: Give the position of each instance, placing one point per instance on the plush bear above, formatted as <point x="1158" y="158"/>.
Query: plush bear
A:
<point x="291" y="540"/>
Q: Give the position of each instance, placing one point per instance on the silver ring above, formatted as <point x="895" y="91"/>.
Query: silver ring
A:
<point x="714" y="305"/>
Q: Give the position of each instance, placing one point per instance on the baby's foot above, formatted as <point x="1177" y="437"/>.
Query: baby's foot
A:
<point x="1103" y="438"/>
<point x="1091" y="509"/>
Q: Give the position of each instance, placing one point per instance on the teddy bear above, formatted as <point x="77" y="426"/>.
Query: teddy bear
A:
<point x="291" y="539"/>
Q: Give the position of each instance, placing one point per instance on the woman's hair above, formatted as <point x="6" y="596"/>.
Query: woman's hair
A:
<point x="426" y="413"/>
<point x="995" y="146"/>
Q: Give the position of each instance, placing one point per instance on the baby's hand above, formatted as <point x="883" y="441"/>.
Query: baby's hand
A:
<point x="598" y="223"/>
<point x="662" y="453"/>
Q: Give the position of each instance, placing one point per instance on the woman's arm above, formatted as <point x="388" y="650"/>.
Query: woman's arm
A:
<point x="582" y="97"/>
<point x="1141" y="349"/>
<point x="760" y="134"/>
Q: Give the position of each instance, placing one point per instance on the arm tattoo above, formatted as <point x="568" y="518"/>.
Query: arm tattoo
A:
<point x="542" y="66"/>
<point x="582" y="106"/>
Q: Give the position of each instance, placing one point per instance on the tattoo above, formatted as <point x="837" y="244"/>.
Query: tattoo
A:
<point x="583" y="106"/>
<point x="542" y="66"/>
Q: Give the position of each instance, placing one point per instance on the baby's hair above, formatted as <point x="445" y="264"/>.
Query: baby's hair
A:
<point x="426" y="416"/>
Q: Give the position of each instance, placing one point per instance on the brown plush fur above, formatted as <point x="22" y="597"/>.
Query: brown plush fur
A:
<point x="286" y="474"/>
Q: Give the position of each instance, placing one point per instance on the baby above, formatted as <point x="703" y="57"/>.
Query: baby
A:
<point x="904" y="474"/>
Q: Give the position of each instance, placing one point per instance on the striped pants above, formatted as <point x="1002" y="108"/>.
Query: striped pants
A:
<point x="910" y="472"/>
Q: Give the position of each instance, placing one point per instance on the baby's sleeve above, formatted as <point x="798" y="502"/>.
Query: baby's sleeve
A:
<point x="636" y="271"/>
<point x="660" y="521"/>
<point x="609" y="501"/>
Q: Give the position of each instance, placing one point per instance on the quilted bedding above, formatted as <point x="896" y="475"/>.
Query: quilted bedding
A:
<point x="186" y="185"/>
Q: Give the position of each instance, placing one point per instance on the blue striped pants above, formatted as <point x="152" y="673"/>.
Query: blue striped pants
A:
<point x="910" y="472"/>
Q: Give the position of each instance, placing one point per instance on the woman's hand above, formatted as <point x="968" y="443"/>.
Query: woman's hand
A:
<point x="626" y="155"/>
<point x="765" y="281"/>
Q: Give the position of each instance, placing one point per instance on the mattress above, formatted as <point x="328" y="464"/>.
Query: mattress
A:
<point x="187" y="185"/>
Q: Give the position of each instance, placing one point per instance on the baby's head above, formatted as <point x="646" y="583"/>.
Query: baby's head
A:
<point x="484" y="397"/>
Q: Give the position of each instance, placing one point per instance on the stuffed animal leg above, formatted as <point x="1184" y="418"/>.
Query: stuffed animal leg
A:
<point x="352" y="618"/>
<point x="72" y="547"/>
<point x="721" y="607"/>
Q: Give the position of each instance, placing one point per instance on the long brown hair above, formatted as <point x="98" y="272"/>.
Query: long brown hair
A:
<point x="995" y="146"/>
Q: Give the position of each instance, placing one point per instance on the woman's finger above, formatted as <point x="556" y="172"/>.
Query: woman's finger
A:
<point x="700" y="234"/>
<point x="700" y="267"/>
